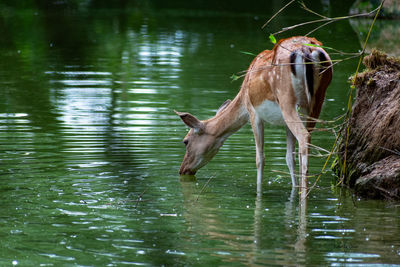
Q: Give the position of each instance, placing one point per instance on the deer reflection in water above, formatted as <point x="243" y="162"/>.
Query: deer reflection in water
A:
<point x="245" y="238"/>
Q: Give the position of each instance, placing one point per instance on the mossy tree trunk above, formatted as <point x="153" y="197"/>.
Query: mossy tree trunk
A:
<point x="372" y="149"/>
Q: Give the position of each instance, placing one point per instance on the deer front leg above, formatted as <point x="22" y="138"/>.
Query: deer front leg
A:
<point x="258" y="130"/>
<point x="290" y="158"/>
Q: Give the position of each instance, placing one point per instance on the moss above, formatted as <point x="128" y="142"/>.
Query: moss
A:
<point x="378" y="60"/>
<point x="371" y="82"/>
<point x="359" y="79"/>
<point x="375" y="59"/>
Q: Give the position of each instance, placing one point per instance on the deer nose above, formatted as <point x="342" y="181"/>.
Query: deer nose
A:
<point x="184" y="171"/>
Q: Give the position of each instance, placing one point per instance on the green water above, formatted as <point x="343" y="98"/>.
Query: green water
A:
<point x="90" y="147"/>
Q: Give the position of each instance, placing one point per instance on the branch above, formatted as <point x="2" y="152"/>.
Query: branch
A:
<point x="276" y="14"/>
<point x="311" y="11"/>
<point x="330" y="20"/>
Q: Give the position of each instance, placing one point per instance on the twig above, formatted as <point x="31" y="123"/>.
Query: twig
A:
<point x="235" y="77"/>
<point x="204" y="187"/>
<point x="319" y="148"/>
<point x="319" y="27"/>
<point x="139" y="199"/>
<point x="280" y="10"/>
<point x="325" y="20"/>
<point x="389" y="194"/>
<point x="341" y="60"/>
<point x="325" y="164"/>
<point x="311" y="11"/>
<point x="287" y="174"/>
<point x="390" y="150"/>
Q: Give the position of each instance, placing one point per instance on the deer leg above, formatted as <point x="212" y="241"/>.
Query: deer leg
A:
<point x="298" y="129"/>
<point x="290" y="158"/>
<point x="258" y="130"/>
<point x="303" y="158"/>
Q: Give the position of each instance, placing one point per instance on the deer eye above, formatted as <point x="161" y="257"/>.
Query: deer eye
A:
<point x="186" y="142"/>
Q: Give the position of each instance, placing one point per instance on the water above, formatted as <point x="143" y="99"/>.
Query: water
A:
<point x="90" y="147"/>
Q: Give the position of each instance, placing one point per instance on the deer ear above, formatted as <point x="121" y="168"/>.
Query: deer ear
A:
<point x="224" y="105"/>
<point x="191" y="121"/>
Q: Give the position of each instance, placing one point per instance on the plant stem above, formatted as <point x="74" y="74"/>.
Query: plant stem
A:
<point x="350" y="102"/>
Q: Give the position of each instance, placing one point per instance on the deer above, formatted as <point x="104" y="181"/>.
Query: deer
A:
<point x="283" y="86"/>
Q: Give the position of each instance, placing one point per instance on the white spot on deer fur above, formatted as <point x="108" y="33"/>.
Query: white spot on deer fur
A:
<point x="270" y="112"/>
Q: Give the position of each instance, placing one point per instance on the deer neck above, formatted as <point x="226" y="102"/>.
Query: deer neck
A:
<point x="229" y="120"/>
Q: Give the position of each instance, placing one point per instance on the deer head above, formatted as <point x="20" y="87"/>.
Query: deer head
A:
<point x="201" y="144"/>
<point x="202" y="141"/>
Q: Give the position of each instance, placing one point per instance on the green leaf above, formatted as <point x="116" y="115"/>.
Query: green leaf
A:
<point x="248" y="53"/>
<point x="313" y="45"/>
<point x="322" y="46"/>
<point x="272" y="38"/>
<point x="235" y="77"/>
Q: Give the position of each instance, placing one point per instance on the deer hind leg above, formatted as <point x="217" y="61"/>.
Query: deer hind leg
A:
<point x="298" y="129"/>
<point x="290" y="155"/>
<point x="258" y="130"/>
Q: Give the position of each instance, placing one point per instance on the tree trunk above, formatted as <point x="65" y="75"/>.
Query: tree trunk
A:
<point x="373" y="149"/>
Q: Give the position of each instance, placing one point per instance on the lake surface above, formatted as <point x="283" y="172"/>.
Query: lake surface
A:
<point x="90" y="146"/>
